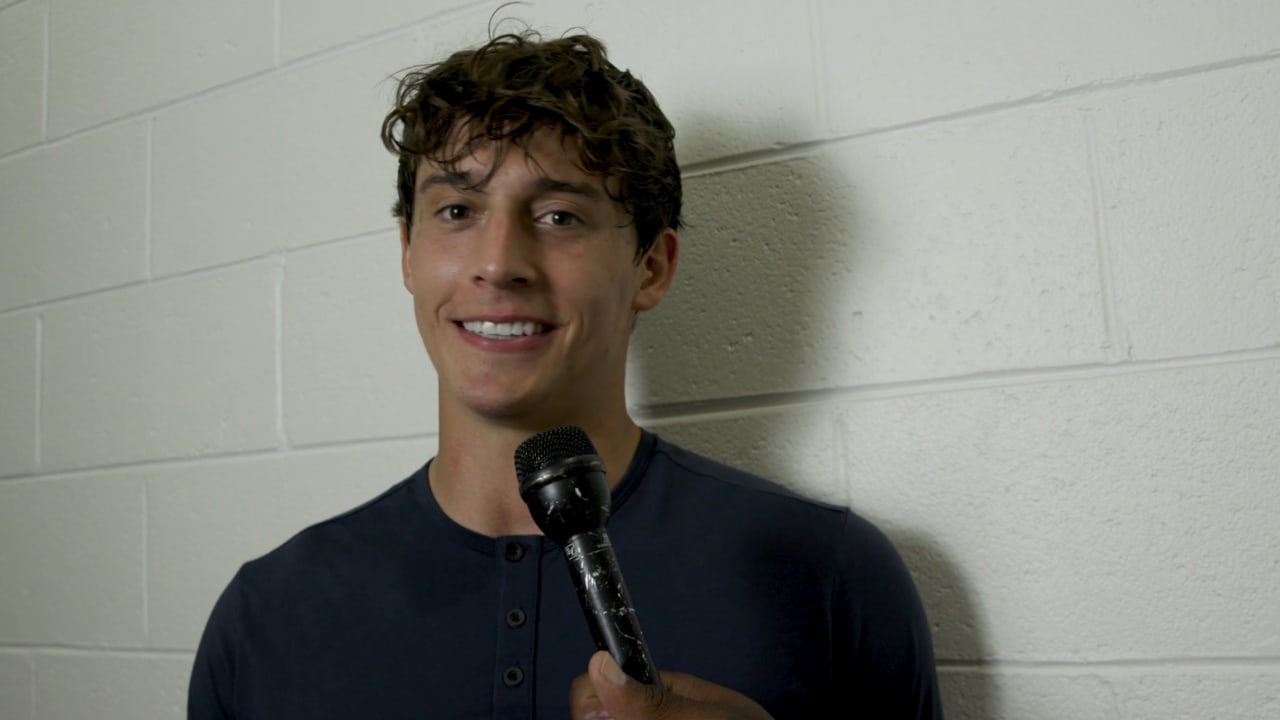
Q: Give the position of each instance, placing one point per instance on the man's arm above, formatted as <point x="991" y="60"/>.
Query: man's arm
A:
<point x="210" y="692"/>
<point x="882" y="651"/>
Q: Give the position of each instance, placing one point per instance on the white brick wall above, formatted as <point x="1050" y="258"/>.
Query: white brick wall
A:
<point x="17" y="686"/>
<point x="111" y="685"/>
<point x="169" y="369"/>
<point x="22" y="76"/>
<point x="1003" y="276"/>
<point x="71" y="232"/>
<point x="332" y="391"/>
<point x="107" y="60"/>
<point x="71" y="555"/>
<point x="18" y="340"/>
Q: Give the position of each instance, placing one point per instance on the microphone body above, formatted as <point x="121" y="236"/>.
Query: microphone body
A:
<point x="562" y="481"/>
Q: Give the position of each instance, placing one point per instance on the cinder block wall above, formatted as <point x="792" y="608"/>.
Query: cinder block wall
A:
<point x="1003" y="276"/>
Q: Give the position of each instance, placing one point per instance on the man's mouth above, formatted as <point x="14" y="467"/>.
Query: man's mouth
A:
<point x="487" y="329"/>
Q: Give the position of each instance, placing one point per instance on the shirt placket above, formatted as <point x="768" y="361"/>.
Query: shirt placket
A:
<point x="519" y="571"/>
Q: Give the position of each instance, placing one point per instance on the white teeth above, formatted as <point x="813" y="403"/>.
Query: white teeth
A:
<point x="502" y="330"/>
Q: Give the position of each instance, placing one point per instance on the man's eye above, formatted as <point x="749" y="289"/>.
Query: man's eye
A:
<point x="454" y="212"/>
<point x="560" y="218"/>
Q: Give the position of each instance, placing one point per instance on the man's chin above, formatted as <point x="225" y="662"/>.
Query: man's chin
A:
<point x="523" y="411"/>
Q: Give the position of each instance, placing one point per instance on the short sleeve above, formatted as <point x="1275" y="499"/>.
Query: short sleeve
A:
<point x="210" y="695"/>
<point x="883" y="660"/>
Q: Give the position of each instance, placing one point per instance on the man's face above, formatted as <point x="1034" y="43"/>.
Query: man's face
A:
<point x="525" y="288"/>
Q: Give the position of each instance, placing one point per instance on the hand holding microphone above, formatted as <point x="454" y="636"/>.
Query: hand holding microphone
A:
<point x="562" y="481"/>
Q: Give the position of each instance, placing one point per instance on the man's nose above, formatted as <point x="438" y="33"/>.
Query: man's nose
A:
<point x="505" y="251"/>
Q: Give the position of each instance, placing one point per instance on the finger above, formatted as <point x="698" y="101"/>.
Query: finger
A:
<point x="583" y="702"/>
<point x="623" y="697"/>
<point x="688" y="693"/>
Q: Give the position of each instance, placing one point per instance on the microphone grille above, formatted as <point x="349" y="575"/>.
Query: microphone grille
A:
<point x="551" y="446"/>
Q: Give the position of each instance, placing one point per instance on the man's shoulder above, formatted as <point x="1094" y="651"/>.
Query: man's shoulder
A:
<point x="737" y="497"/>
<point x="370" y="524"/>
<point x="689" y="468"/>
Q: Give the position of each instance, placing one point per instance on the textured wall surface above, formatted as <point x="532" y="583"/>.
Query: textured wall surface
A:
<point x="1002" y="276"/>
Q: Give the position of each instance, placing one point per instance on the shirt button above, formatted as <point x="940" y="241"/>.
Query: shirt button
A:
<point x="513" y="676"/>
<point x="515" y="617"/>
<point x="515" y="551"/>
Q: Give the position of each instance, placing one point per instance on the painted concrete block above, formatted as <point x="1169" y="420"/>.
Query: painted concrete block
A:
<point x="18" y="389"/>
<point x="21" y="76"/>
<point x="753" y="86"/>
<point x="1208" y="692"/>
<point x="17" y="686"/>
<point x="71" y="556"/>
<point x="796" y="447"/>
<point x="969" y="694"/>
<point x="173" y="369"/>
<point x="354" y="364"/>
<point x="284" y="161"/>
<point x="108" y="60"/>
<point x="73" y="216"/>
<point x="1087" y="520"/>
<point x="1189" y="177"/>
<point x="889" y="62"/>
<point x="306" y="27"/>
<point x="90" y="686"/>
<point x="942" y="251"/>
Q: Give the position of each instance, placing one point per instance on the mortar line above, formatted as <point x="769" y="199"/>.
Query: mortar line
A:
<point x="183" y="274"/>
<point x="39" y="413"/>
<point x="275" y="39"/>
<point x="764" y="402"/>
<point x="35" y="690"/>
<point x="68" y="649"/>
<point x="282" y="435"/>
<point x="230" y="457"/>
<point x="228" y="85"/>
<point x="697" y="168"/>
<point x="416" y="25"/>
<point x="147" y="270"/>
<point x="1117" y="349"/>
<point x="1263" y="662"/>
<point x="44" y="95"/>
<point x="146" y="555"/>
<point x="820" y="79"/>
<point x="737" y="406"/>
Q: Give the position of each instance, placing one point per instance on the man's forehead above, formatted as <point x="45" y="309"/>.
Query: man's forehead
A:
<point x="550" y="158"/>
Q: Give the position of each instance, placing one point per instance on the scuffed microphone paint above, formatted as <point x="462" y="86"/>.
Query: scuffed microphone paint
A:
<point x="562" y="481"/>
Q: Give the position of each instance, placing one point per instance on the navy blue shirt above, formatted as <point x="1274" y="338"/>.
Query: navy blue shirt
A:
<point x="393" y="611"/>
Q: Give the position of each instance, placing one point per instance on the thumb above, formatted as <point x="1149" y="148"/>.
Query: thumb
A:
<point x="621" y="696"/>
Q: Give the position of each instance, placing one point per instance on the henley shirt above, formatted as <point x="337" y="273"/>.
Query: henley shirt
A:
<point x="393" y="611"/>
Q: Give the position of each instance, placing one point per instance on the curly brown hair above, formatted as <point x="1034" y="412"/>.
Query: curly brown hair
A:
<point x="517" y="84"/>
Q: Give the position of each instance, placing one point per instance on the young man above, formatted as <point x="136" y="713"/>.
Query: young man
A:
<point x="539" y="205"/>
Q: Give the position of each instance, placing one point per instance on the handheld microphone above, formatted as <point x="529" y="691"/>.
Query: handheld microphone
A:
<point x="562" y="481"/>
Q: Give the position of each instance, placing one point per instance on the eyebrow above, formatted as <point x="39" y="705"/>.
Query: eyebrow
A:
<point x="551" y="185"/>
<point x="467" y="181"/>
<point x="452" y="179"/>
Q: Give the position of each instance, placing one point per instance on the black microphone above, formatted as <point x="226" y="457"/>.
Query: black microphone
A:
<point x="562" y="481"/>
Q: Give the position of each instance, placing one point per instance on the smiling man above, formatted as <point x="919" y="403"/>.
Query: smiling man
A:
<point x="539" y="206"/>
<point x="526" y="278"/>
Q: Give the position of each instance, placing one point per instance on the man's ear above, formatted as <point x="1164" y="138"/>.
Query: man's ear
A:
<point x="404" y="256"/>
<point x="657" y="269"/>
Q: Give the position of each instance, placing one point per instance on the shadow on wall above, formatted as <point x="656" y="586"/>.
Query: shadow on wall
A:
<point x="769" y="251"/>
<point x="958" y="635"/>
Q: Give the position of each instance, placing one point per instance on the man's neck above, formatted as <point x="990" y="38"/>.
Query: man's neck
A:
<point x="473" y="476"/>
